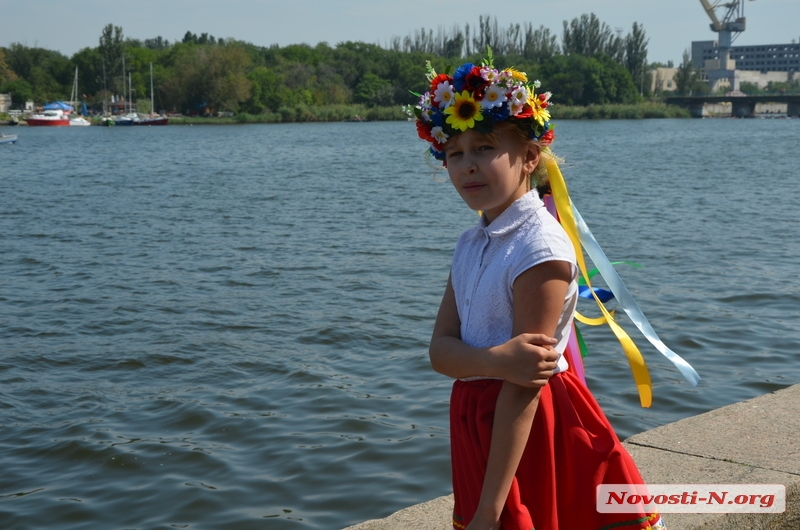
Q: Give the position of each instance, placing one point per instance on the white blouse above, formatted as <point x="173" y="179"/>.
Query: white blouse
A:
<point x="487" y="261"/>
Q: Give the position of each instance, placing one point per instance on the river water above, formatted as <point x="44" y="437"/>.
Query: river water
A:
<point x="226" y="327"/>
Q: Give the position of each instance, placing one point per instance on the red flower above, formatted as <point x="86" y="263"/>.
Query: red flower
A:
<point x="439" y="79"/>
<point x="548" y="137"/>
<point x="475" y="83"/>
<point x="544" y="104"/>
<point x="424" y="131"/>
<point x="527" y="112"/>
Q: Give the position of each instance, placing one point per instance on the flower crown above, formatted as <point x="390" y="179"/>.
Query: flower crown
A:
<point x="477" y="97"/>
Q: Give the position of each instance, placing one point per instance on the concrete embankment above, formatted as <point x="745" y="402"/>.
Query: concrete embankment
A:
<point x="753" y="442"/>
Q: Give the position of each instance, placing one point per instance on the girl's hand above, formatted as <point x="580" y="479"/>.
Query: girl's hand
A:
<point x="528" y="359"/>
<point x="480" y="523"/>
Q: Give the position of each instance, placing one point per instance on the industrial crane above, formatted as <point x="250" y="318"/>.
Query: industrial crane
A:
<point x="731" y="25"/>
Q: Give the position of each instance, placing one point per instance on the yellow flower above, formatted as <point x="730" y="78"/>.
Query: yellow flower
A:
<point x="540" y="114"/>
<point x="463" y="114"/>
<point x="516" y="74"/>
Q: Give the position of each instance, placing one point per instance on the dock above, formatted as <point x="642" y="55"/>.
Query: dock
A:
<point x="752" y="442"/>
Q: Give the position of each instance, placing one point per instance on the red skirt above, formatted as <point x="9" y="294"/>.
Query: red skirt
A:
<point x="571" y="449"/>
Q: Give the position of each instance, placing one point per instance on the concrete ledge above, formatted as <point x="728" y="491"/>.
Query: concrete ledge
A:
<point x="753" y="442"/>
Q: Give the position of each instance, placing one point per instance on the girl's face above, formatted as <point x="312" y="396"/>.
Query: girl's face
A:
<point x="490" y="172"/>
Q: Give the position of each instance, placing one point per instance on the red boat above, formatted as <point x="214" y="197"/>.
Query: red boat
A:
<point x="49" y="118"/>
<point x="154" y="120"/>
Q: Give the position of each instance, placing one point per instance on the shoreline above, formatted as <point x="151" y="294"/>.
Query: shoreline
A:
<point x="360" y="113"/>
<point x="751" y="442"/>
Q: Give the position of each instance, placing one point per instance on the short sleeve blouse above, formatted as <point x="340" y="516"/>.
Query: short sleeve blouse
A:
<point x="487" y="261"/>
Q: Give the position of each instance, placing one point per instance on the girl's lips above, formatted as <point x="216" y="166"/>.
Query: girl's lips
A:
<point x="473" y="186"/>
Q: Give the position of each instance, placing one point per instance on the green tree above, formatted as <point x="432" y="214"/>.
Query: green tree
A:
<point x="6" y="73"/>
<point x="111" y="49"/>
<point x="540" y="43"/>
<point x="48" y="73"/>
<point x="686" y="76"/>
<point x="374" y="91"/>
<point x="587" y="36"/>
<point x="579" y="80"/>
<point x="20" y="91"/>
<point x="207" y="78"/>
<point x="749" y="88"/>
<point x="636" y="57"/>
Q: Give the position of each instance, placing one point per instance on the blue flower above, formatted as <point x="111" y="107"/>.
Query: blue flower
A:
<point x="461" y="75"/>
<point x="437" y="118"/>
<point x="438" y="155"/>
<point x="499" y="113"/>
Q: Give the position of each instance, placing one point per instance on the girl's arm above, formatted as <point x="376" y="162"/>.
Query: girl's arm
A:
<point x="539" y="295"/>
<point x="526" y="360"/>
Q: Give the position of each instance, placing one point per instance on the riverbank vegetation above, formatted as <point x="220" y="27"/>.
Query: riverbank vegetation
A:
<point x="590" y="67"/>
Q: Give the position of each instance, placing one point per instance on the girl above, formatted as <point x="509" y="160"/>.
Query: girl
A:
<point x="529" y="443"/>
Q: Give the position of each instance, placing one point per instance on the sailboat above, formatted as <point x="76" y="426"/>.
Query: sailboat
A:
<point x="153" y="119"/>
<point x="130" y="117"/>
<point x="77" y="121"/>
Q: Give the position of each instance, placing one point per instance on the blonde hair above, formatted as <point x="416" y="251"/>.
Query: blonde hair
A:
<point x="539" y="177"/>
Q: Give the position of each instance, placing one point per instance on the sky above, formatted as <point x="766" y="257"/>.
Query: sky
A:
<point x="671" y="25"/>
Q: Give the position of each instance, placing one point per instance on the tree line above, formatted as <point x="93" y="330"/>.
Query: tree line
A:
<point x="202" y="74"/>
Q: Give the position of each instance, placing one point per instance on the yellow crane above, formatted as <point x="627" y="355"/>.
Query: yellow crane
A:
<point x="729" y="26"/>
<point x="732" y="22"/>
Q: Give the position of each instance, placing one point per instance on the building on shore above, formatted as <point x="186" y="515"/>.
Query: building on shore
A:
<point x="757" y="65"/>
<point x="662" y="79"/>
<point x="5" y="103"/>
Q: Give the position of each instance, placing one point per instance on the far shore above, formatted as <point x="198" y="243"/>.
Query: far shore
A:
<point x="360" y="113"/>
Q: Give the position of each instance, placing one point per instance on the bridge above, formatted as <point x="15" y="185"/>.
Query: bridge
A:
<point x="743" y="106"/>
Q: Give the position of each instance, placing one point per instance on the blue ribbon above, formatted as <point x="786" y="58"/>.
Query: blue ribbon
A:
<point x="626" y="300"/>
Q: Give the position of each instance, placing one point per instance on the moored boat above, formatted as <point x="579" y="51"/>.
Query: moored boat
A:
<point x="79" y="122"/>
<point x="152" y="120"/>
<point x="10" y="139"/>
<point x="48" y="118"/>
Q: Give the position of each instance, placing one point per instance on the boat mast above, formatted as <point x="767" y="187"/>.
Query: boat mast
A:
<point x="74" y="95"/>
<point x="130" y="93"/>
<point x="152" y="106"/>
<point x="105" y="89"/>
<point x="123" y="83"/>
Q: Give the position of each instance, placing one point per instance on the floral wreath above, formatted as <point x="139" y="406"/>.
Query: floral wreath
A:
<point x="477" y="97"/>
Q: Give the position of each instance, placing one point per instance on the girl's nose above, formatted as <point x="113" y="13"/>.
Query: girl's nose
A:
<point x="472" y="165"/>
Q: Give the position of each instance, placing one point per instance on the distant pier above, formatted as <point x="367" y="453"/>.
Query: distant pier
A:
<point x="742" y="106"/>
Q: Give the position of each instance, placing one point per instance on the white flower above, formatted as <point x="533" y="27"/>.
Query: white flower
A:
<point x="515" y="107"/>
<point x="520" y="94"/>
<point x="537" y="84"/>
<point x="444" y="94"/>
<point x="494" y="96"/>
<point x="439" y="135"/>
<point x="490" y="74"/>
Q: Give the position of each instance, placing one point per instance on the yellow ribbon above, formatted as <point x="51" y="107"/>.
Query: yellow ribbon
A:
<point x="599" y="321"/>
<point x="638" y="367"/>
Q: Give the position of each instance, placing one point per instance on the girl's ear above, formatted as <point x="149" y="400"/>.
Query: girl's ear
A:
<point x="532" y="155"/>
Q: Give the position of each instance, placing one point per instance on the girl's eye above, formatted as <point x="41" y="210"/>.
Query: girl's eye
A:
<point x="451" y="154"/>
<point x="485" y="148"/>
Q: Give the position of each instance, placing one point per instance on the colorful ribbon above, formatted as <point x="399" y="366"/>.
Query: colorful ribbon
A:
<point x="626" y="300"/>
<point x="580" y="235"/>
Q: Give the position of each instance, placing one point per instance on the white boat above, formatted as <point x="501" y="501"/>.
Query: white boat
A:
<point x="10" y="139"/>
<point x="80" y="121"/>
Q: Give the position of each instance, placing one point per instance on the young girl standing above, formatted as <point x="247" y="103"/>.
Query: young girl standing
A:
<point x="529" y="444"/>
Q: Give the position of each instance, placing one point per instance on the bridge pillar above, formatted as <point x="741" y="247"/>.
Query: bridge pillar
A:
<point x="696" y="109"/>
<point x="743" y="109"/>
<point x="793" y="109"/>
